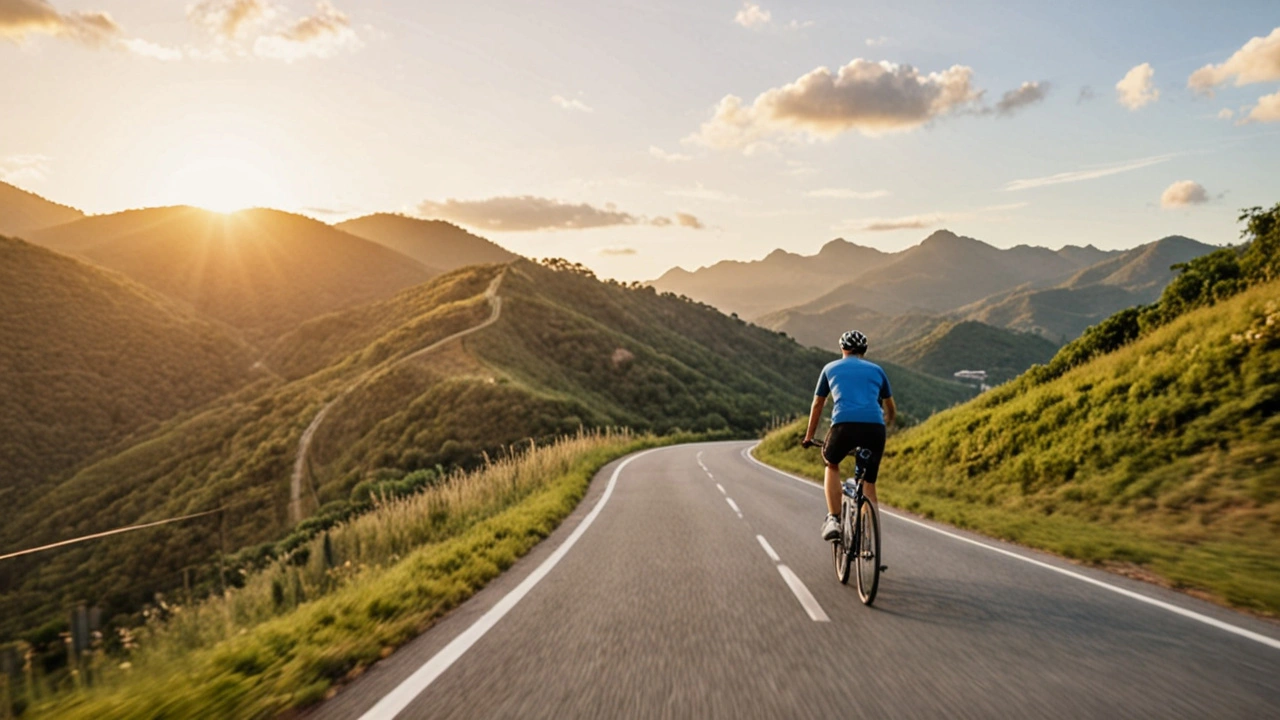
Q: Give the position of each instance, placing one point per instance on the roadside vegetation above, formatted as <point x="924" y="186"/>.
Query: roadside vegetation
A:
<point x="1147" y="445"/>
<point x="320" y="613"/>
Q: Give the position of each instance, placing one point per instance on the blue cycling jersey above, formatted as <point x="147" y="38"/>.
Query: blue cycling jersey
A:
<point x="857" y="387"/>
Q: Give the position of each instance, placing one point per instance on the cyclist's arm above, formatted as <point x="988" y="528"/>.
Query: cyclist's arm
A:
<point x="890" y="411"/>
<point x="815" y="416"/>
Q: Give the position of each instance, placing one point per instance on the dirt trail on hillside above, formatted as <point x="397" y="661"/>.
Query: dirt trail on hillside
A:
<point x="301" y="462"/>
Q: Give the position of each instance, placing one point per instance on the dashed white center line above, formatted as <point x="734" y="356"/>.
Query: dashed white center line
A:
<point x="768" y="549"/>
<point x="721" y="487"/>
<point x="733" y="505"/>
<point x="802" y="594"/>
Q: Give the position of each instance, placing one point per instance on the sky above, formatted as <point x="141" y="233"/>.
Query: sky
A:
<point x="636" y="136"/>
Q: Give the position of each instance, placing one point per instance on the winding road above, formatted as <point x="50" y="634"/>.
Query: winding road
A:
<point x="301" y="461"/>
<point x="691" y="583"/>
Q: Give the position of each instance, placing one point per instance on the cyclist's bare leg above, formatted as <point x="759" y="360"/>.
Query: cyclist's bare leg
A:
<point x="869" y="489"/>
<point x="831" y="483"/>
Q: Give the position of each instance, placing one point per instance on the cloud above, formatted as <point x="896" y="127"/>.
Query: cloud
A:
<point x="870" y="97"/>
<point x="911" y="222"/>
<point x="618" y="251"/>
<point x="680" y="219"/>
<point x="1135" y="89"/>
<point x="321" y="35"/>
<point x="1183" y="193"/>
<point x="879" y="41"/>
<point x="1226" y="114"/>
<point x="20" y="18"/>
<point x="526" y="213"/>
<point x="148" y="49"/>
<point x="1087" y="174"/>
<point x="1267" y="109"/>
<point x="226" y="19"/>
<point x="1257" y="61"/>
<point x="1085" y="95"/>
<point x="22" y="169"/>
<point x="847" y="194"/>
<point x="921" y="222"/>
<point x="568" y="104"/>
<point x="752" y="16"/>
<point x="700" y="192"/>
<point x="689" y="221"/>
<point x="1028" y="93"/>
<point x="661" y="154"/>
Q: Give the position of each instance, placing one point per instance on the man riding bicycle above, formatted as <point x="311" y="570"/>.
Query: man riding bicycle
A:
<point x="863" y="407"/>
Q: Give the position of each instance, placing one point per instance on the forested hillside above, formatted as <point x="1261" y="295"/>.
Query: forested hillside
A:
<point x="969" y="345"/>
<point x="87" y="358"/>
<point x="261" y="271"/>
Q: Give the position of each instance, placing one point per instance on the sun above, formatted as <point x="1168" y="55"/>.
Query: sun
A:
<point x="222" y="184"/>
<point x="223" y="173"/>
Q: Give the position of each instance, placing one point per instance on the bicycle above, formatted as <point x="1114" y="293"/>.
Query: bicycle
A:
<point x="860" y="529"/>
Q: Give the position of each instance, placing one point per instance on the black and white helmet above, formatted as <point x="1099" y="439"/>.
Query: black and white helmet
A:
<point x="854" y="341"/>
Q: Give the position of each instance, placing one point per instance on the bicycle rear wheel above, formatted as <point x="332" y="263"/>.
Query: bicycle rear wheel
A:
<point x="842" y="549"/>
<point x="868" y="553"/>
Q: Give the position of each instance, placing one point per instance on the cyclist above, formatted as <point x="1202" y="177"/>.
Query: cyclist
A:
<point x="863" y="407"/>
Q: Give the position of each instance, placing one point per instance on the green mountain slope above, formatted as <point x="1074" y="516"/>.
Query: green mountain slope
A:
<point x="434" y="243"/>
<point x="88" y="357"/>
<point x="567" y="350"/>
<point x="261" y="271"/>
<point x="970" y="345"/>
<point x="22" y="211"/>
<point x="1148" y="444"/>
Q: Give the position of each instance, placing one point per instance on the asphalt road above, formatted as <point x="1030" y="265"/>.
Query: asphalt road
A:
<point x="665" y="603"/>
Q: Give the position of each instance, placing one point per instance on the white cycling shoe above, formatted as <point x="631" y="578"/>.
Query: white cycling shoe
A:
<point x="831" y="528"/>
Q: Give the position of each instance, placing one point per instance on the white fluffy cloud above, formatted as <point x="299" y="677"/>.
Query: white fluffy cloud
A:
<point x="752" y="16"/>
<point x="21" y="18"/>
<point x="1267" y="109"/>
<point x="530" y="213"/>
<point x="323" y="34"/>
<point x="870" y="97"/>
<point x="1226" y="114"/>
<point x="1258" y="61"/>
<point x="1136" y="88"/>
<point x="227" y="19"/>
<point x="1183" y="193"/>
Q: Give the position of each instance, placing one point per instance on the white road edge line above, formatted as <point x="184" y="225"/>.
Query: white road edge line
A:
<point x="733" y="505"/>
<point x="1213" y="622"/>
<point x="398" y="699"/>
<point x="722" y="490"/>
<point x="802" y="594"/>
<point x="768" y="549"/>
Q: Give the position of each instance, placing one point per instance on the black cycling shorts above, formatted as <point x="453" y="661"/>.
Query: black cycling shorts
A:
<point x="845" y="437"/>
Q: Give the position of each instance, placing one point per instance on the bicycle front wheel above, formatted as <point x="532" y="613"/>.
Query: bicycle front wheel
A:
<point x="867" y="557"/>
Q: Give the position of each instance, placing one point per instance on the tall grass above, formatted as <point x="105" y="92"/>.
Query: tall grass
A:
<point x="331" y="608"/>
